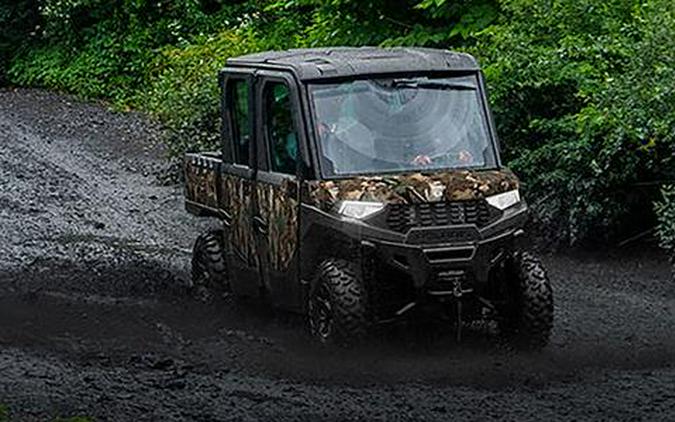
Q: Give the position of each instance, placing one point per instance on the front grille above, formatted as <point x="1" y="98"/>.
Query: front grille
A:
<point x="403" y="217"/>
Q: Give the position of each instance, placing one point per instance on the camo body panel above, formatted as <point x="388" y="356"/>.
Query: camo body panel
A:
<point x="413" y="188"/>
<point x="278" y="206"/>
<point x="201" y="184"/>
<point x="236" y="197"/>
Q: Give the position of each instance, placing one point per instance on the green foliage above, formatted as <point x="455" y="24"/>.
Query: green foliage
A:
<point x="19" y="20"/>
<point x="665" y="210"/>
<point x="4" y="416"/>
<point x="582" y="89"/>
<point x="102" y="49"/>
<point x="450" y="22"/>
<point x="583" y="103"/>
<point x="184" y="91"/>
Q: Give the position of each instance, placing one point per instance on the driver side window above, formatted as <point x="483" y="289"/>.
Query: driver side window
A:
<point x="281" y="135"/>
<point x="238" y="91"/>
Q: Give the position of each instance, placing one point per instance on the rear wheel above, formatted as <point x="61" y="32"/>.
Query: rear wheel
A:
<point x="337" y="305"/>
<point x="526" y="319"/>
<point x="209" y="270"/>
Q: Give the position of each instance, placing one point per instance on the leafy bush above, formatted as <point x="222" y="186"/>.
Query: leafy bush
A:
<point x="102" y="49"/>
<point x="582" y="89"/>
<point x="583" y="99"/>
<point x="183" y="90"/>
<point x="18" y="20"/>
<point x="665" y="209"/>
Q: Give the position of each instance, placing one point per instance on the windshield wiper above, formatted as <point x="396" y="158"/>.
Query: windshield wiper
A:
<point x="429" y="84"/>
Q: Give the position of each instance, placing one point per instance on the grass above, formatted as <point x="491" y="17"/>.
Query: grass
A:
<point x="4" y="416"/>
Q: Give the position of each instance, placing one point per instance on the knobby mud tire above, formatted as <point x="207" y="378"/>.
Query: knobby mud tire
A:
<point x="209" y="268"/>
<point x="340" y="287"/>
<point x="527" y="321"/>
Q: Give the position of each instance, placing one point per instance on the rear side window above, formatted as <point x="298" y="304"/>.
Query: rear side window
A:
<point x="282" y="139"/>
<point x="241" y="120"/>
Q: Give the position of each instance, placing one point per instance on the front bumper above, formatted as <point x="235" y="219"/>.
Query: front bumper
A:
<point x="432" y="257"/>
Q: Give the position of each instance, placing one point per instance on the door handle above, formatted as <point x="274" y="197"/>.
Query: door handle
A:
<point x="260" y="225"/>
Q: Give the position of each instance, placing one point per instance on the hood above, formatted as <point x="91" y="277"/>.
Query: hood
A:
<point x="460" y="185"/>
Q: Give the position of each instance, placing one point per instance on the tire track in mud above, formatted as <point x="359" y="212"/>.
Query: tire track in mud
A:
<point x="94" y="257"/>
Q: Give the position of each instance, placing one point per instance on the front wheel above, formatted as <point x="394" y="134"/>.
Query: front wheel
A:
<point x="526" y="318"/>
<point x="337" y="305"/>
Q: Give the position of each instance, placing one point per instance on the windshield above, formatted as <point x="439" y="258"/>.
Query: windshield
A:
<point x="401" y="125"/>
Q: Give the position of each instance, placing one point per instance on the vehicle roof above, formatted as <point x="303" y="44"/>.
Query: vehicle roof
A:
<point x="320" y="63"/>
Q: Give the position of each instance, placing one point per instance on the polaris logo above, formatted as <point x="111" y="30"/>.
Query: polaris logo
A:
<point x="436" y="235"/>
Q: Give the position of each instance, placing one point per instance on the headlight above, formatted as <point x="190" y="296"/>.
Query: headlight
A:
<point x="359" y="209"/>
<point x="504" y="200"/>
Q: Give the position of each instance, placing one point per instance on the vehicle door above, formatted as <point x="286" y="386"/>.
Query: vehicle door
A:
<point x="280" y="141"/>
<point x="237" y="181"/>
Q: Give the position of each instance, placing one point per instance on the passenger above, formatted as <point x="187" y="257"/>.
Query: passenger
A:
<point x="344" y="138"/>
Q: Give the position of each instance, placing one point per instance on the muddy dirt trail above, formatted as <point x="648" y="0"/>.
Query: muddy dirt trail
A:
<point x="94" y="319"/>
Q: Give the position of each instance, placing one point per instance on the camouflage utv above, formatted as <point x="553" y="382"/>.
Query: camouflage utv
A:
<point x="360" y="186"/>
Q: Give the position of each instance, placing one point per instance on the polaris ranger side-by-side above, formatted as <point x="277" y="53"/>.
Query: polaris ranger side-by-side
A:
<point x="364" y="185"/>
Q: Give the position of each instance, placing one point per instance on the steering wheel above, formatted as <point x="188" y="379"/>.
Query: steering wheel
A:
<point x="463" y="157"/>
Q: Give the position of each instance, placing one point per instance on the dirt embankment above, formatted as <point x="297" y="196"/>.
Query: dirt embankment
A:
<point x="94" y="254"/>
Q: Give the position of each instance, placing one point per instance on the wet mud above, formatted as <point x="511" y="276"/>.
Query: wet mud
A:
<point x="95" y="318"/>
